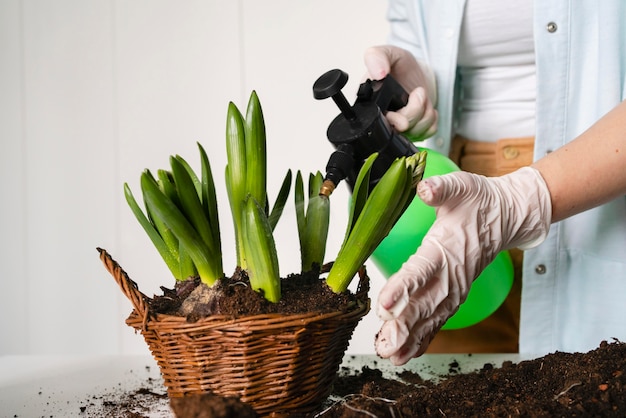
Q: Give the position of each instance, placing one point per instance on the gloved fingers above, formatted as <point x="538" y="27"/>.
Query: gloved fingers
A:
<point x="377" y="61"/>
<point x="398" y="121"/>
<point x="382" y="60"/>
<point x="400" y="340"/>
<point x="425" y="281"/>
<point x="450" y="189"/>
<point x="399" y="343"/>
<point x="511" y="210"/>
<point x="418" y="117"/>
<point x="427" y="126"/>
<point x="426" y="330"/>
<point x="401" y="288"/>
<point x="416" y="344"/>
<point x="422" y="123"/>
<point x="391" y="338"/>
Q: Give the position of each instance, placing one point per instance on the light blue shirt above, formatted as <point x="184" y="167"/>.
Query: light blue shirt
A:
<point x="574" y="285"/>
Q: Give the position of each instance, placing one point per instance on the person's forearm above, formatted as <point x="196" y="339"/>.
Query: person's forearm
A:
<point x="590" y="170"/>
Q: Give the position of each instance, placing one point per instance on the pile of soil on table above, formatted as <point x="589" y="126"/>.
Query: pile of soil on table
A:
<point x="560" y="384"/>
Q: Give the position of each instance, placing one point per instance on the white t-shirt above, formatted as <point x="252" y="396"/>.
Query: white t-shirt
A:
<point x="497" y="66"/>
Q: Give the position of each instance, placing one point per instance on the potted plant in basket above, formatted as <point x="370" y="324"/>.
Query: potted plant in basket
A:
<point x="277" y="356"/>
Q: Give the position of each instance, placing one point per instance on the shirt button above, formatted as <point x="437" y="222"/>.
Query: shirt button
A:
<point x="439" y="142"/>
<point x="540" y="269"/>
<point x="551" y="27"/>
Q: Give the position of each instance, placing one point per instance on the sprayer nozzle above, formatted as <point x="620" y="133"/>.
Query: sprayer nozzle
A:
<point x="327" y="188"/>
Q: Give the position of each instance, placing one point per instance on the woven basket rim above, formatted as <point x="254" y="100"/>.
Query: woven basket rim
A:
<point x="140" y="301"/>
<point x="261" y="317"/>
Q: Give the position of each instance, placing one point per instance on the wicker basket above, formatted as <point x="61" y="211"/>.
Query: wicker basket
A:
<point x="279" y="364"/>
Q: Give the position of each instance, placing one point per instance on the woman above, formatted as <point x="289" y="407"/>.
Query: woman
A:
<point x="509" y="77"/>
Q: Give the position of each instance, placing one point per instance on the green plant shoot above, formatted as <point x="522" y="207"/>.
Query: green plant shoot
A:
<point x="313" y="223"/>
<point x="372" y="218"/>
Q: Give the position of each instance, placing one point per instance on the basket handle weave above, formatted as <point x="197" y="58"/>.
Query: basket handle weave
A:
<point x="363" y="287"/>
<point x="128" y="286"/>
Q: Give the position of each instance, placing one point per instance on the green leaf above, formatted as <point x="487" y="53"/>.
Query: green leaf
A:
<point x="313" y="223"/>
<point x="209" y="199"/>
<point x="209" y="268"/>
<point x="170" y="259"/>
<point x="236" y="174"/>
<point x="374" y="222"/>
<point x="281" y="200"/>
<point x="300" y="212"/>
<point x="316" y="234"/>
<point x="260" y="250"/>
<point x="192" y="174"/>
<point x="166" y="183"/>
<point x="190" y="204"/>
<point x="187" y="267"/>
<point x="256" y="153"/>
<point x="360" y="193"/>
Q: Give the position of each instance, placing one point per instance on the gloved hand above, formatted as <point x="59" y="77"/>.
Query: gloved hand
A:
<point x="477" y="217"/>
<point x="418" y="117"/>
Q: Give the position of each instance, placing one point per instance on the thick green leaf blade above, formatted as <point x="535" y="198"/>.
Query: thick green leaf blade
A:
<point x="315" y="183"/>
<point x="372" y="225"/>
<point x="316" y="233"/>
<point x="260" y="250"/>
<point x="360" y="193"/>
<point x="256" y="153"/>
<point x="163" y="207"/>
<point x="300" y="211"/>
<point x="187" y="267"/>
<point x="236" y="174"/>
<point x="166" y="183"/>
<point x="170" y="259"/>
<point x="191" y="206"/>
<point x="209" y="198"/>
<point x="192" y="174"/>
<point x="281" y="201"/>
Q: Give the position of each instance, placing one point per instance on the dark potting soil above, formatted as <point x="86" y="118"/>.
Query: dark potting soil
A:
<point x="233" y="296"/>
<point x="591" y="384"/>
<point x="210" y="406"/>
<point x="560" y="384"/>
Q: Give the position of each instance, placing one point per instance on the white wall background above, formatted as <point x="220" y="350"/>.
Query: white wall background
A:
<point x="92" y="93"/>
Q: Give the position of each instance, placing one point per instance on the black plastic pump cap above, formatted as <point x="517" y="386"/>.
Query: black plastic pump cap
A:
<point x="329" y="84"/>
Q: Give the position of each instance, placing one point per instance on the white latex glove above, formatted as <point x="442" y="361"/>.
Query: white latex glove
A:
<point x="418" y="117"/>
<point x="477" y="217"/>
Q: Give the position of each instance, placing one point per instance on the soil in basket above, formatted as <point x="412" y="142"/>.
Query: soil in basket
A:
<point x="233" y="296"/>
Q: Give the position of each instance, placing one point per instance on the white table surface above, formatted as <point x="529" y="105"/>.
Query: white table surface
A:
<point x="58" y="386"/>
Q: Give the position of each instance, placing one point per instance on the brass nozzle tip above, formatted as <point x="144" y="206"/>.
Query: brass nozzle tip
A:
<point x="327" y="188"/>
